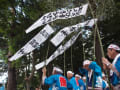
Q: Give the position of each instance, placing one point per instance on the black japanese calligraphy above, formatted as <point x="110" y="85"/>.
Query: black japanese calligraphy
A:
<point x="44" y="33"/>
<point x="21" y="51"/>
<point x="65" y="33"/>
<point x="34" y="43"/>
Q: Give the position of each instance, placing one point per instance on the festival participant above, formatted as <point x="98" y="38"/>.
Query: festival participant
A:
<point x="84" y="79"/>
<point x="114" y="67"/>
<point x="93" y="73"/>
<point x="104" y="82"/>
<point x="81" y="82"/>
<point x="56" y="81"/>
<point x="73" y="81"/>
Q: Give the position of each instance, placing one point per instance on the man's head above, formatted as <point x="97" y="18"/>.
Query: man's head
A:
<point x="77" y="76"/>
<point x="86" y="64"/>
<point x="113" y="50"/>
<point x="57" y="70"/>
<point x="84" y="79"/>
<point x="70" y="74"/>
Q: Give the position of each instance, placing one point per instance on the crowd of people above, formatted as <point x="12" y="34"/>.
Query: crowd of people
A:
<point x="93" y="78"/>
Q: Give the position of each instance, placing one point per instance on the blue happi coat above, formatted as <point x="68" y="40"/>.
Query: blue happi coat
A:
<point x="96" y="78"/>
<point x="82" y="84"/>
<point x="57" y="82"/>
<point x="115" y="79"/>
<point x="75" y="84"/>
<point x="105" y="85"/>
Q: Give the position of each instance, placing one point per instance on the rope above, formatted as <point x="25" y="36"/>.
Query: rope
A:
<point x="84" y="55"/>
<point x="107" y="72"/>
<point x="84" y="51"/>
<point x="94" y="57"/>
<point x="64" y="59"/>
<point x="94" y="39"/>
<point x="94" y="42"/>
<point x="71" y="46"/>
<point x="71" y="59"/>
<point x="64" y="63"/>
<point x="96" y="30"/>
<point x="47" y="52"/>
<point x="99" y="39"/>
<point x="84" y="59"/>
<point x="83" y="47"/>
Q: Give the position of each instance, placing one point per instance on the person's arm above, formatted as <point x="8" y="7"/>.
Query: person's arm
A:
<point x="43" y="75"/>
<point x="106" y="63"/>
<point x="111" y="66"/>
<point x="115" y="68"/>
<point x="83" y="71"/>
<point x="48" y="81"/>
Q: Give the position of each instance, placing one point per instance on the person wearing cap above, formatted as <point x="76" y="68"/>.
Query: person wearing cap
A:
<point x="93" y="74"/>
<point x="114" y="67"/>
<point x="73" y="81"/>
<point x="84" y="79"/>
<point x="81" y="82"/>
<point x="56" y="81"/>
<point x="104" y="82"/>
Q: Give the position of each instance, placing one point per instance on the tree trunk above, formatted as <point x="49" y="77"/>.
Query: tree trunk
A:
<point x="98" y="52"/>
<point x="12" y="83"/>
<point x="28" y="79"/>
<point x="11" y="77"/>
<point x="28" y="85"/>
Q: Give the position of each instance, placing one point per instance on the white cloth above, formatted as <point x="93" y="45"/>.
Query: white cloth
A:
<point x="70" y="72"/>
<point x="90" y="74"/>
<point x="57" y="69"/>
<point x="113" y="46"/>
<point x="86" y="62"/>
<point x="77" y="75"/>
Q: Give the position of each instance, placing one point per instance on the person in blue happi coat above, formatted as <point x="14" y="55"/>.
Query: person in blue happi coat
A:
<point x="84" y="79"/>
<point x="73" y="81"/>
<point x="81" y="82"/>
<point x="113" y="52"/>
<point x="93" y="74"/>
<point x="105" y="85"/>
<point x="56" y="81"/>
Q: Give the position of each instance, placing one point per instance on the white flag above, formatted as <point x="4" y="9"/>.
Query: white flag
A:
<point x="58" y="52"/>
<point x="62" y="34"/>
<point x="60" y="14"/>
<point x="37" y="40"/>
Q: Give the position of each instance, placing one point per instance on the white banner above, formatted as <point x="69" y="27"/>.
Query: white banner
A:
<point x="58" y="52"/>
<point x="37" y="40"/>
<point x="62" y="34"/>
<point x="60" y="14"/>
